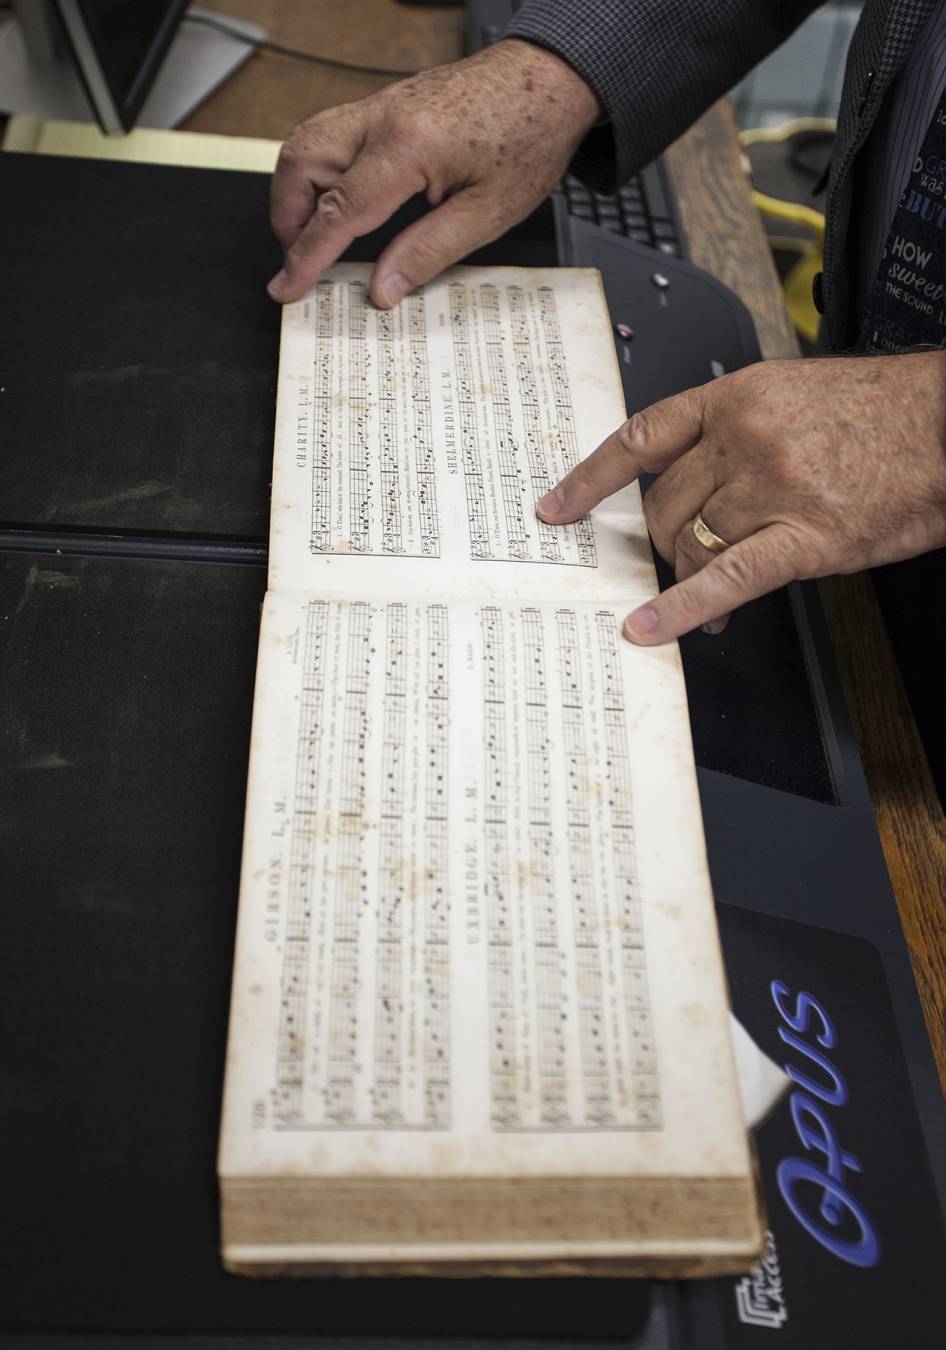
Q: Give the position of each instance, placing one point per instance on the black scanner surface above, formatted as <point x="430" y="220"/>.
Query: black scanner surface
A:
<point x="126" y="692"/>
<point x="138" y="346"/>
<point x="686" y="327"/>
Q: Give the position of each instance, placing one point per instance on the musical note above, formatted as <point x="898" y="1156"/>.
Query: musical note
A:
<point x="507" y="453"/>
<point x="563" y="431"/>
<point x="359" y="454"/>
<point x="624" y="869"/>
<point x="435" y="873"/>
<point x="504" y="1103"/>
<point x="596" y="1076"/>
<point x="551" y="1000"/>
<point x="467" y="411"/>
<point x="422" y="435"/>
<point x="294" y="985"/>
<point x="323" y="362"/>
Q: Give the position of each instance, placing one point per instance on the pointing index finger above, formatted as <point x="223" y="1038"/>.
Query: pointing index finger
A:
<point x="646" y="443"/>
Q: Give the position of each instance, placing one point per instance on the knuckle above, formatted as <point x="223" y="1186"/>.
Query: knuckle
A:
<point x="749" y="425"/>
<point x="634" y="435"/>
<point x="688" y="547"/>
<point x="287" y="160"/>
<point x="737" y="570"/>
<point x="338" y="204"/>
<point x="401" y="131"/>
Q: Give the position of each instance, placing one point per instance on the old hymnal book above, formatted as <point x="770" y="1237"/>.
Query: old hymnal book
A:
<point x="479" y="1019"/>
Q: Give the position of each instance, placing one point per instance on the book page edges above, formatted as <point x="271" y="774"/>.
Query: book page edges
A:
<point x="492" y="1212"/>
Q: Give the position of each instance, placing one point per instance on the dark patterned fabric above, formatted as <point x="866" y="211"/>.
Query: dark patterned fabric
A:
<point x="905" y="306"/>
<point x="884" y="36"/>
<point x="908" y="117"/>
<point x="657" y="65"/>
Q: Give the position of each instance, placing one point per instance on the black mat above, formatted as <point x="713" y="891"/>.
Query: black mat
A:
<point x="125" y="697"/>
<point x="138" y="347"/>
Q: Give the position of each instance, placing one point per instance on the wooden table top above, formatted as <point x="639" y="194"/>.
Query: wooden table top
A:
<point x="271" y="93"/>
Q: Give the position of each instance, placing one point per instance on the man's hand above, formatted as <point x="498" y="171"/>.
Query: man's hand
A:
<point x="804" y="468"/>
<point x="486" y="139"/>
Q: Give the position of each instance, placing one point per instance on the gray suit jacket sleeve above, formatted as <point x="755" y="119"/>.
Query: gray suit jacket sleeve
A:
<point x="656" y="65"/>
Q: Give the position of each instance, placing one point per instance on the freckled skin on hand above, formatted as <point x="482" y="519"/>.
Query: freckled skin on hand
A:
<point x="803" y="468"/>
<point x="485" y="139"/>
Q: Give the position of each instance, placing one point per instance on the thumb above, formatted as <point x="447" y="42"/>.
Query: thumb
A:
<point x="445" y="235"/>
<point x="646" y="443"/>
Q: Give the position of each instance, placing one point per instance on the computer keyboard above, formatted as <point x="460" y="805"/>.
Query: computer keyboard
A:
<point x="640" y="210"/>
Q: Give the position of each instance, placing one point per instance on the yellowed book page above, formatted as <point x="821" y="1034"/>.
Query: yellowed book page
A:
<point x="411" y="445"/>
<point x="476" y="936"/>
<point x="197" y="150"/>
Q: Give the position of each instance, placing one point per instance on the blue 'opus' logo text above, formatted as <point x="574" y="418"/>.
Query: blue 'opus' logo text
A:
<point x="816" y="1190"/>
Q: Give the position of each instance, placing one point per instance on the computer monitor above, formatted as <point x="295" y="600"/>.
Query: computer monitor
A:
<point x="118" y="49"/>
<point x="127" y="61"/>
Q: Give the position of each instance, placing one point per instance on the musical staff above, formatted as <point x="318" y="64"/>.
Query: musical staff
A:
<point x="634" y="969"/>
<point x="364" y="1021"/>
<point x="372" y="451"/>
<point x="550" y="989"/>
<point x="290" y="1044"/>
<point x="389" y="958"/>
<point x="359" y="460"/>
<point x="504" y="1097"/>
<point x="506" y="450"/>
<point x="435" y="874"/>
<point x="524" y="356"/>
<point x="563" y="429"/>
<point x="388" y="435"/>
<point x="422" y="433"/>
<point x="343" y="1008"/>
<point x="322" y="391"/>
<point x="569" y="1025"/>
<point x="591" y="1024"/>
<point x="467" y="405"/>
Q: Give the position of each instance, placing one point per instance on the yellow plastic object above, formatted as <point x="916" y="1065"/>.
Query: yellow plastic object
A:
<point x="808" y="241"/>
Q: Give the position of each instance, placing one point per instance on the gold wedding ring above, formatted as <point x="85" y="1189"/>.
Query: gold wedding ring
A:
<point x="706" y="536"/>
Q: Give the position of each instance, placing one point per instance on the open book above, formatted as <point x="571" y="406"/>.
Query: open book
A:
<point x="479" y="1019"/>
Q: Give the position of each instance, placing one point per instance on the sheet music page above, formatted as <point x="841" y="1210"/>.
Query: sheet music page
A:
<point x="475" y="932"/>
<point x="412" y="444"/>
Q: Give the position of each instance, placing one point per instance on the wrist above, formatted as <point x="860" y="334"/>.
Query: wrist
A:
<point x="547" y="79"/>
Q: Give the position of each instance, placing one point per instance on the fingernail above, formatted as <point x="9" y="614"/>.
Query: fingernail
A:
<point x="278" y="284"/>
<point x="553" y="503"/>
<point x="640" y="624"/>
<point x="713" y="626"/>
<point x="394" y="288"/>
